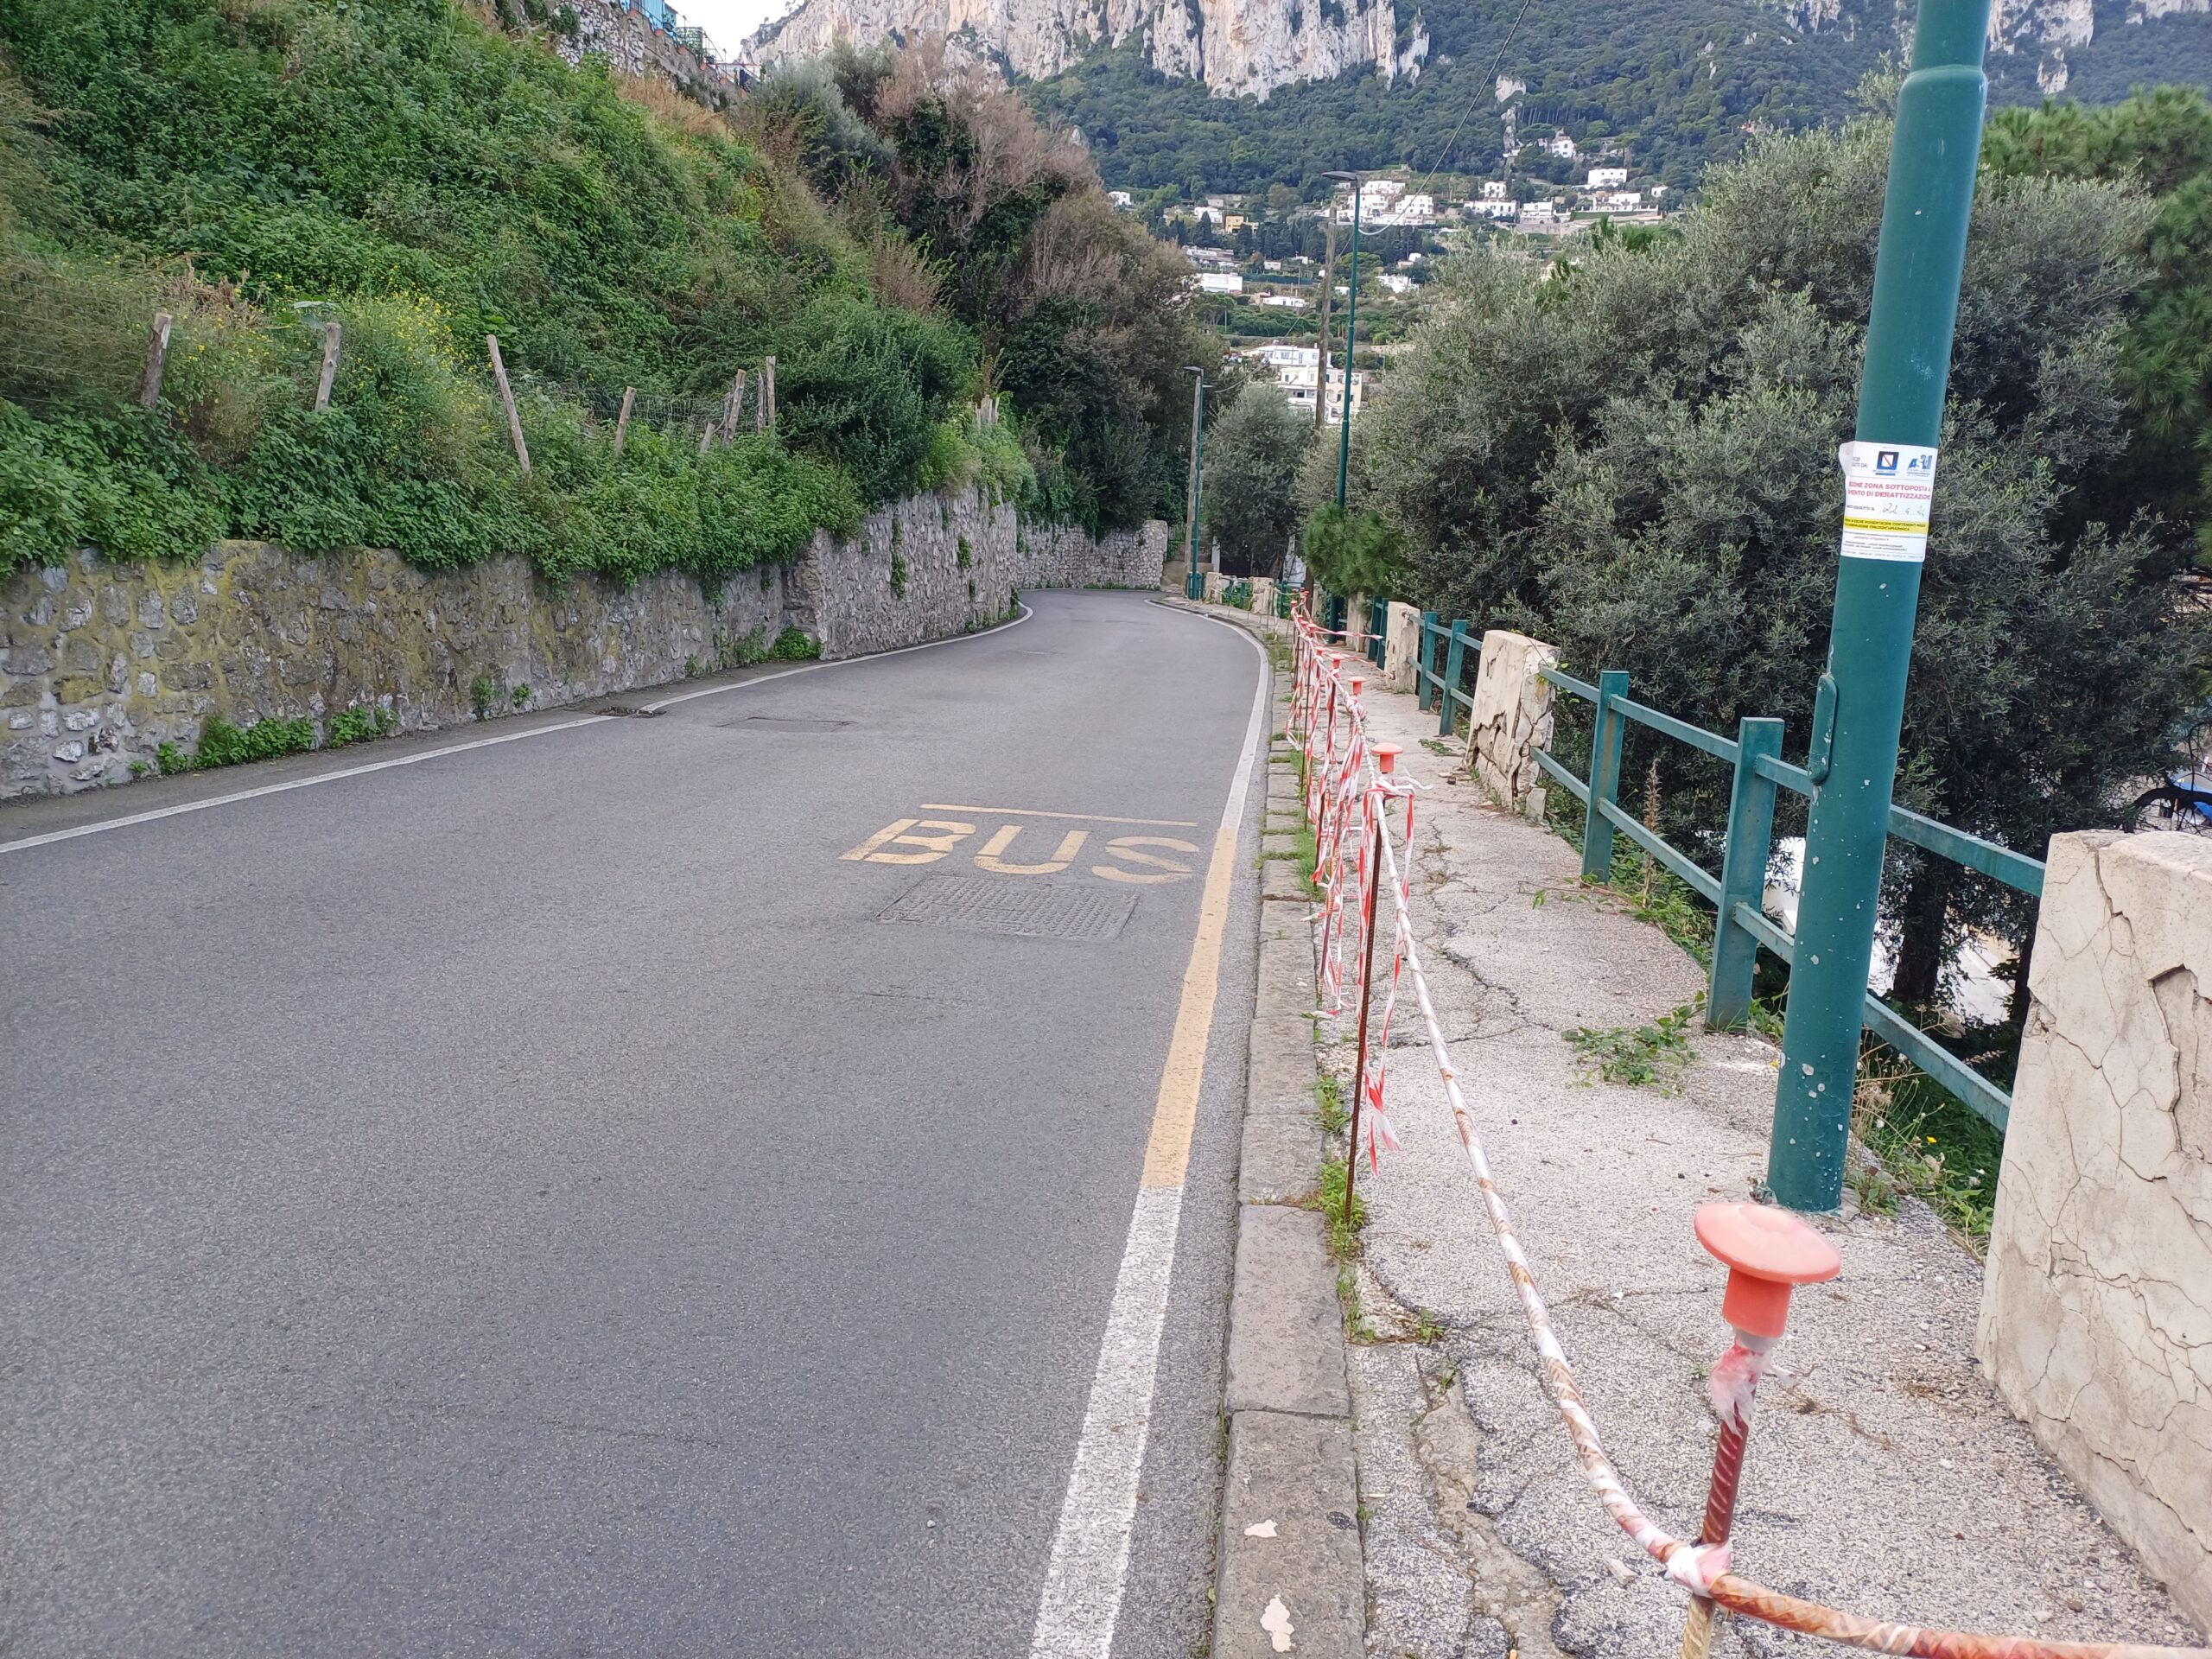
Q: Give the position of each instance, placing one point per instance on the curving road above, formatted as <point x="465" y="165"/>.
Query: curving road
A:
<point x="528" y="1200"/>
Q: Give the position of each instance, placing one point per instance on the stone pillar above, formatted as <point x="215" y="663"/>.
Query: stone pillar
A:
<point x="1263" y="595"/>
<point x="1400" y="646"/>
<point x="1512" y="719"/>
<point x="2097" y="1315"/>
<point x="1215" y="583"/>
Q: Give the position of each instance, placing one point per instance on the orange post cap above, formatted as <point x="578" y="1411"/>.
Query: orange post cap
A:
<point x="1768" y="1251"/>
<point x="1386" y="756"/>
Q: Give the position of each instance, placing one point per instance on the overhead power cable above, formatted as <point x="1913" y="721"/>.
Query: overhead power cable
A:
<point x="1488" y="80"/>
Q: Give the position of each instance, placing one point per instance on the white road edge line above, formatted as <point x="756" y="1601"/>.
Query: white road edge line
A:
<point x="1090" y="1564"/>
<point x="26" y="842"/>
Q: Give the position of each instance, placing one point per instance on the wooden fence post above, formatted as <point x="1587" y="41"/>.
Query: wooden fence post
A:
<point x="731" y="404"/>
<point x="622" y="421"/>
<point x="157" y="353"/>
<point x="330" y="338"/>
<point x="765" y="410"/>
<point x="507" y="396"/>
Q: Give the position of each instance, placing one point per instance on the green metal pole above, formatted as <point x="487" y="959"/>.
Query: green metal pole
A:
<point x="1198" y="473"/>
<point x="1861" y="706"/>
<point x="1352" y="352"/>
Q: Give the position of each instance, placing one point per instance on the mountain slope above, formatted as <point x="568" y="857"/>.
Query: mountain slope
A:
<point x="1229" y="94"/>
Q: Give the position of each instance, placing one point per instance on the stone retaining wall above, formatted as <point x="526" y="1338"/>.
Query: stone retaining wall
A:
<point x="101" y="663"/>
<point x="2096" y="1317"/>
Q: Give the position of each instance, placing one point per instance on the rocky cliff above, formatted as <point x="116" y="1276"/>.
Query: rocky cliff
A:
<point x="1235" y="46"/>
<point x="1239" y="46"/>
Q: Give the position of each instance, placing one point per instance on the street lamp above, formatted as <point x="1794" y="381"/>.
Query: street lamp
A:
<point x="1351" y="335"/>
<point x="1198" y="452"/>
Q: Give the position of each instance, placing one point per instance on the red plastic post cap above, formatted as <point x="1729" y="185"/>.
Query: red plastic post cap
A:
<point x="1768" y="1251"/>
<point x="1386" y="756"/>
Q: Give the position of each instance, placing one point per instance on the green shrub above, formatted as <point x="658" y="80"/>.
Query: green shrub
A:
<point x="223" y="744"/>
<point x="795" y="645"/>
<point x="866" y="386"/>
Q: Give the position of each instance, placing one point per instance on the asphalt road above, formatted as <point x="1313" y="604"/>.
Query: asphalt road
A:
<point x="525" y="1202"/>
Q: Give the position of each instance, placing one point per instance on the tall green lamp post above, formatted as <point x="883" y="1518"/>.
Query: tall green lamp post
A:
<point x="1193" y="583"/>
<point x="1351" y="336"/>
<point x="1889" y="472"/>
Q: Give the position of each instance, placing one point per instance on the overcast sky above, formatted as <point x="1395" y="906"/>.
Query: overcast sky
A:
<point x="728" y="21"/>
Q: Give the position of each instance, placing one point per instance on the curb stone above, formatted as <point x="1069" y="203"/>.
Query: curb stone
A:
<point x="1290" y="1553"/>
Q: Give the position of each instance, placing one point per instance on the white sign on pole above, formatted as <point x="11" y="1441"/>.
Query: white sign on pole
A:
<point x="1887" y="489"/>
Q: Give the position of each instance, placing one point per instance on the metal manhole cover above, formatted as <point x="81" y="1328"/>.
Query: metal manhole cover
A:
<point x="1037" y="909"/>
<point x="782" y="723"/>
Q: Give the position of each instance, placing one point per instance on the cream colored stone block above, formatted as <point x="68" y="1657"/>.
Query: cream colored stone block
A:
<point x="2096" y="1317"/>
<point x="1263" y="595"/>
<point x="1511" y="718"/>
<point x="1400" y="646"/>
<point x="1216" y="584"/>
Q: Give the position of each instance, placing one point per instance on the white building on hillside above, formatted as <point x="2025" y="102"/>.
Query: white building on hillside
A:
<point x="1293" y="367"/>
<point x="1560" y="145"/>
<point x="1220" y="282"/>
<point x="1608" y="178"/>
<point x="1494" y="190"/>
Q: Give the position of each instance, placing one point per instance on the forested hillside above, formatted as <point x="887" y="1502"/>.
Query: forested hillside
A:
<point x="407" y="169"/>
<point x="1678" y="84"/>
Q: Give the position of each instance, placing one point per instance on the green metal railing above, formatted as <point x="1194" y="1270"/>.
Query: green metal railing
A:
<point x="1237" y="595"/>
<point x="1194" y="584"/>
<point x="1444" y="690"/>
<point x="1741" y="923"/>
<point x="1378" y="625"/>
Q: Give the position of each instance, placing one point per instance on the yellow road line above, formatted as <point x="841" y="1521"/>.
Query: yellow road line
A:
<point x="1038" y="812"/>
<point x="1175" y="1113"/>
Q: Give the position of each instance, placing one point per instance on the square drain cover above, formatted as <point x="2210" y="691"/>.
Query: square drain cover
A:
<point x="1037" y="909"/>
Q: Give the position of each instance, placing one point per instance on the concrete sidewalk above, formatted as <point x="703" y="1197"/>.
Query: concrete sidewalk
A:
<point x="1883" y="1475"/>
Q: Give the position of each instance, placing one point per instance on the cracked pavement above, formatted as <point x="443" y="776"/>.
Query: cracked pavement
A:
<point x="1884" y="1474"/>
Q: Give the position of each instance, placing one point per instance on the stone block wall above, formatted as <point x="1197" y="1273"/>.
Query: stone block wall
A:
<point x="2097" y="1315"/>
<point x="1511" y="718"/>
<point x="1400" y="646"/>
<point x="101" y="663"/>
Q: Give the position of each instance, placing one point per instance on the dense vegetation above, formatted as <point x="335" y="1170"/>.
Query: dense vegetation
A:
<point x="1081" y="317"/>
<point x="1635" y="458"/>
<point x="1679" y="85"/>
<point x="425" y="179"/>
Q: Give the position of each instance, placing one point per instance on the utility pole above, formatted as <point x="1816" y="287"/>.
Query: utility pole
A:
<point x="1321" y="333"/>
<point x="1351" y="334"/>
<point x="1197" y="451"/>
<point x="1888" y="473"/>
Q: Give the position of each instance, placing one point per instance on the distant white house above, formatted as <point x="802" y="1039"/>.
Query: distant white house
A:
<point x="1220" y="282"/>
<point x="1209" y="255"/>
<point x="1294" y="371"/>
<point x="1286" y="302"/>
<point x="1560" y="145"/>
<point x="1394" y="283"/>
<point x="1624" y="201"/>
<point x="1271" y="265"/>
<point x="1494" y="190"/>
<point x="1208" y="215"/>
<point x="1539" y="213"/>
<point x="1500" y="209"/>
<point x="1608" y="178"/>
<point x="1121" y="199"/>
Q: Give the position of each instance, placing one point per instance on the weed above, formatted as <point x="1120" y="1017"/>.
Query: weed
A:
<point x="897" y="575"/>
<point x="139" y="768"/>
<point x="795" y="645"/>
<point x="1928" y="1142"/>
<point x="1438" y="745"/>
<point x="357" y="725"/>
<point x="898" y="531"/>
<point x="519" y="697"/>
<point x="692" y="668"/>
<point x="1427" y="1327"/>
<point x="483" y="692"/>
<point x="1652" y="1055"/>
<point x="222" y="744"/>
<point x="1329" y="1100"/>
<point x="965" y="554"/>
<point x="972" y="590"/>
<point x="1329" y="1199"/>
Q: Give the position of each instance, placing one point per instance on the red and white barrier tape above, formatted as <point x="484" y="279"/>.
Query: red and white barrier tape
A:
<point x="1322" y="701"/>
